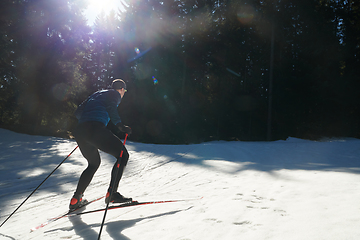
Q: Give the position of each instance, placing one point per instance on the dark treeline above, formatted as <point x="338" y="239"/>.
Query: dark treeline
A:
<point x="196" y="70"/>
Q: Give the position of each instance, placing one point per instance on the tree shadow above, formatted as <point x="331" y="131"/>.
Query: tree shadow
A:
<point x="293" y="154"/>
<point x="25" y="162"/>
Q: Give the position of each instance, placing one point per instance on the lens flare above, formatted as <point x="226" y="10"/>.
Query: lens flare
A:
<point x="155" y="80"/>
<point x="246" y="14"/>
<point x="137" y="50"/>
<point x="60" y="91"/>
<point x="139" y="54"/>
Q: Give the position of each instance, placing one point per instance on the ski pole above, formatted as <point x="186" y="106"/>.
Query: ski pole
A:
<point x="112" y="190"/>
<point x="37" y="187"/>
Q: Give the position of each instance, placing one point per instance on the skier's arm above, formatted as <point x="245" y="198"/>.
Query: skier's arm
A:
<point x="114" y="99"/>
<point x="115" y="130"/>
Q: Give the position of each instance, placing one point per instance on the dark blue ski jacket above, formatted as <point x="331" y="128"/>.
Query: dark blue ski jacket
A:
<point x="101" y="106"/>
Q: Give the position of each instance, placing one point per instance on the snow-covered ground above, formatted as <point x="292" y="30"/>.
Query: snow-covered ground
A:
<point x="293" y="189"/>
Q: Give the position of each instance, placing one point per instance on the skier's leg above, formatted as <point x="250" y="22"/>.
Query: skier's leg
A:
<point x="83" y="135"/>
<point x="92" y="156"/>
<point x="111" y="144"/>
<point x="118" y="170"/>
<point x="116" y="175"/>
<point x="106" y="141"/>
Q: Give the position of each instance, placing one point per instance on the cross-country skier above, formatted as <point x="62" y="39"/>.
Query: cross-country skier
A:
<point x="97" y="115"/>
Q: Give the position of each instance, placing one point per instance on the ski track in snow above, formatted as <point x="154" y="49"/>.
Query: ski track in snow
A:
<point x="293" y="189"/>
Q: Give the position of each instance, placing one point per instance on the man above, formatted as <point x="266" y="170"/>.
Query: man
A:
<point x="96" y="115"/>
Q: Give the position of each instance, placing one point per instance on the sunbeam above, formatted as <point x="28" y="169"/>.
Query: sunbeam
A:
<point x="95" y="7"/>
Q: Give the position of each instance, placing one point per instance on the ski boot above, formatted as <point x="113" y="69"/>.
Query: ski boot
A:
<point x="116" y="198"/>
<point x="77" y="202"/>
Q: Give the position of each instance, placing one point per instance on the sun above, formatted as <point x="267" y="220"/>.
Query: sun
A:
<point x="95" y="7"/>
<point x="103" y="4"/>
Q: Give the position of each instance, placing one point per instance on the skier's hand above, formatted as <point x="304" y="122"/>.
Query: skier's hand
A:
<point x="123" y="128"/>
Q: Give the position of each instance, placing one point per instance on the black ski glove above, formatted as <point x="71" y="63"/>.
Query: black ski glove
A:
<point x="123" y="128"/>
<point x="115" y="130"/>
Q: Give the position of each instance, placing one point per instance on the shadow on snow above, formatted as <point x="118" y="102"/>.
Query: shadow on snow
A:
<point x="113" y="228"/>
<point x="27" y="160"/>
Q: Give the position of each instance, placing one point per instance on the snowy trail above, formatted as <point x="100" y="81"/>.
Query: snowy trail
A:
<point x="293" y="189"/>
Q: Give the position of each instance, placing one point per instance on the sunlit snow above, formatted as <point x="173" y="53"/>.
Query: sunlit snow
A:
<point x="286" y="189"/>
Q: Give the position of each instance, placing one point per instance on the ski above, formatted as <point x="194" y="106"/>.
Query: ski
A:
<point x="129" y="204"/>
<point x="62" y="215"/>
<point x="123" y="205"/>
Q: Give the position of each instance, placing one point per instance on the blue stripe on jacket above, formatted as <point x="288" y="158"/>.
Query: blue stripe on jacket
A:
<point x="101" y="106"/>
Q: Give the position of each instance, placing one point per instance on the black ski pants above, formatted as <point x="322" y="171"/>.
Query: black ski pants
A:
<point x="90" y="137"/>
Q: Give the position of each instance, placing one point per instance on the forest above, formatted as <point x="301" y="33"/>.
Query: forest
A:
<point x="196" y="70"/>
